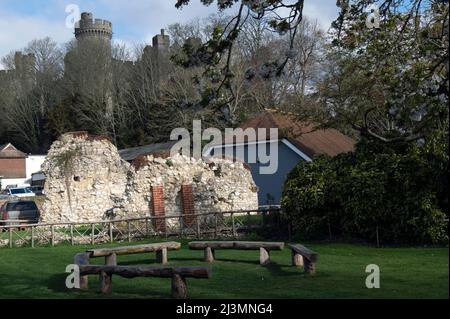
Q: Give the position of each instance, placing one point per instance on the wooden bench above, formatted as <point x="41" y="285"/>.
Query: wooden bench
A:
<point x="263" y="247"/>
<point x="111" y="254"/>
<point x="302" y="256"/>
<point x="105" y="272"/>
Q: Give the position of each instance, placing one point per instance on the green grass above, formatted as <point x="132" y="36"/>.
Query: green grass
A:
<point x="405" y="273"/>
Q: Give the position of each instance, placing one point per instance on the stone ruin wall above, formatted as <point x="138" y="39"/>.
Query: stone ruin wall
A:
<point x="86" y="178"/>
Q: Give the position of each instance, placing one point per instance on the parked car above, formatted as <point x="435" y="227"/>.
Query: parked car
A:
<point x="4" y="196"/>
<point x="18" y="192"/>
<point x="38" y="190"/>
<point x="17" y="212"/>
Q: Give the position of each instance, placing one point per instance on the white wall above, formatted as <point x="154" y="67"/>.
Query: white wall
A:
<point x="13" y="181"/>
<point x="34" y="163"/>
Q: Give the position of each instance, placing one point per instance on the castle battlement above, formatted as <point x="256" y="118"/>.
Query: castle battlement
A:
<point x="88" y="27"/>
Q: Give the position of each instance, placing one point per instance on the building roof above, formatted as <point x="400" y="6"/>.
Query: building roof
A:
<point x="302" y="135"/>
<point x="10" y="151"/>
<point x="131" y="154"/>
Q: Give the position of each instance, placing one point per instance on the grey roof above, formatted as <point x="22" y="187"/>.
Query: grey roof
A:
<point x="39" y="176"/>
<point x="130" y="154"/>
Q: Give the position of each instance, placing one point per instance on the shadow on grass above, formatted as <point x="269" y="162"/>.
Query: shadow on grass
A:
<point x="141" y="262"/>
<point x="278" y="270"/>
<point x="57" y="284"/>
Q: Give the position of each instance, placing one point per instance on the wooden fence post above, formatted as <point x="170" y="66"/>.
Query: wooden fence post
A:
<point x="129" y="231"/>
<point x="111" y="238"/>
<point x="93" y="234"/>
<point x="180" y="222"/>
<point x="10" y="238"/>
<point x="32" y="237"/>
<point x="215" y="226"/>
<point x="165" y="227"/>
<point x="52" y="231"/>
<point x="71" y="234"/>
<point x="198" y="227"/>
<point x="233" y="226"/>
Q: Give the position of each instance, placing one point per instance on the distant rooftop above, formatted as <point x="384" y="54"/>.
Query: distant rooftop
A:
<point x="304" y="135"/>
<point x="10" y="151"/>
<point x="130" y="154"/>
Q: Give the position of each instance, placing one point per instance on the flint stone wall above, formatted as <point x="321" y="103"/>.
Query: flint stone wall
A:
<point x="86" y="178"/>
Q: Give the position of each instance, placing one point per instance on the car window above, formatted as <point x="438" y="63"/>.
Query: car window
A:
<point x="18" y="191"/>
<point x="19" y="206"/>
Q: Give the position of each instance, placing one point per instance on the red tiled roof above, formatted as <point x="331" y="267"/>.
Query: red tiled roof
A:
<point x="9" y="151"/>
<point x="302" y="134"/>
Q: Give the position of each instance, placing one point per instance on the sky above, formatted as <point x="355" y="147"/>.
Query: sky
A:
<point x="134" y="21"/>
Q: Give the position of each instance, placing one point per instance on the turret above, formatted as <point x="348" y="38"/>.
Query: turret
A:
<point x="87" y="27"/>
<point x="161" y="42"/>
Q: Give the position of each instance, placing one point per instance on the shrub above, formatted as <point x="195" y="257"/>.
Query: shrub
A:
<point x="397" y="192"/>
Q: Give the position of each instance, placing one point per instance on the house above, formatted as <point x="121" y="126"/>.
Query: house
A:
<point x="295" y="141"/>
<point x="16" y="167"/>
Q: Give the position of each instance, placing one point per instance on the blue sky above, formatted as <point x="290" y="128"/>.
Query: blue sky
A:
<point x="134" y="21"/>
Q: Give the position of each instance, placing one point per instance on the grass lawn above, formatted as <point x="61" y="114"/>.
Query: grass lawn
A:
<point x="405" y="273"/>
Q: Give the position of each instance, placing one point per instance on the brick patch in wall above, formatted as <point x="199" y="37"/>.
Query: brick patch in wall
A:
<point x="158" y="209"/>
<point x="187" y="202"/>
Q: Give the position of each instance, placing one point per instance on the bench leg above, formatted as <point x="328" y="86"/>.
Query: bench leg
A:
<point x="84" y="282"/>
<point x="297" y="259"/>
<point x="179" y="287"/>
<point x="310" y="267"/>
<point x="264" y="257"/>
<point x="111" y="260"/>
<point x="161" y="256"/>
<point x="105" y="283"/>
<point x="209" y="255"/>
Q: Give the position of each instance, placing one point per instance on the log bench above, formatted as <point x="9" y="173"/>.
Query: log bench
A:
<point x="210" y="246"/>
<point x="105" y="272"/>
<point x="111" y="254"/>
<point x="304" y="257"/>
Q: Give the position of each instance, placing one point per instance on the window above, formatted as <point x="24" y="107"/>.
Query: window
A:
<point x="18" y="191"/>
<point x="21" y="206"/>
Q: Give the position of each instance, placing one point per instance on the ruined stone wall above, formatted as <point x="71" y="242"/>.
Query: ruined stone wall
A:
<point x="86" y="178"/>
<point x="220" y="185"/>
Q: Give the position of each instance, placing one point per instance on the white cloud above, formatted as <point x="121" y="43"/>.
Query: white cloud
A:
<point x="325" y="11"/>
<point x="17" y="31"/>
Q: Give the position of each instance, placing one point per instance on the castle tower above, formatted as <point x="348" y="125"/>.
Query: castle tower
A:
<point x="88" y="28"/>
<point x="161" y="42"/>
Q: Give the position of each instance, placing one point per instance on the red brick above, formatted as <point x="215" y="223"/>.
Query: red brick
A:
<point x="158" y="208"/>
<point x="13" y="167"/>
<point x="187" y="202"/>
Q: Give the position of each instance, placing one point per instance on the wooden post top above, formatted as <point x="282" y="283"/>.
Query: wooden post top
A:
<point x="305" y="252"/>
<point x="135" y="249"/>
<point x="244" y="245"/>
